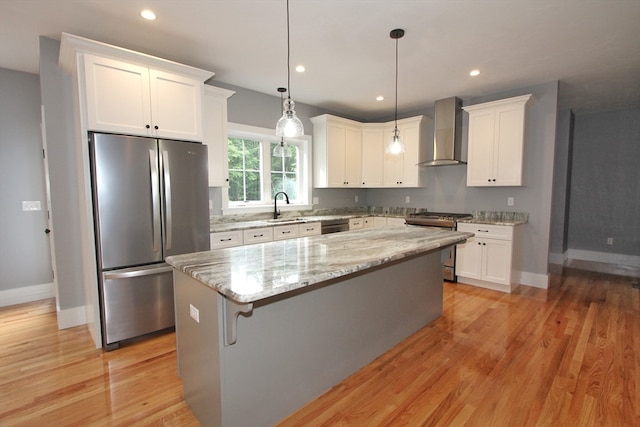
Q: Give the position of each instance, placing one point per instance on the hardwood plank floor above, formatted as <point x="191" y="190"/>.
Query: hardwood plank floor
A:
<point x="566" y="356"/>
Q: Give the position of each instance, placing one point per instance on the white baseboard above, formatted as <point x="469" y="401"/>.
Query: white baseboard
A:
<point x="26" y="294"/>
<point x="70" y="317"/>
<point x="535" y="280"/>
<point x="606" y="257"/>
<point x="556" y="258"/>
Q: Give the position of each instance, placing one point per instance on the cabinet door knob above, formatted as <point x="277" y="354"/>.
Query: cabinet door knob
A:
<point x="147" y="126"/>
<point x="156" y="128"/>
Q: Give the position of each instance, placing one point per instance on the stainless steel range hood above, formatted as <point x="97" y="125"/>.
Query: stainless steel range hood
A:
<point x="447" y="133"/>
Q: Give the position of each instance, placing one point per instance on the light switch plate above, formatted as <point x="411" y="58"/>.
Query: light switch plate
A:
<point x="510" y="201"/>
<point x="31" y="205"/>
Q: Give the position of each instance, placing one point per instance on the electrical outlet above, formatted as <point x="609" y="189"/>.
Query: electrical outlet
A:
<point x="355" y="199"/>
<point x="316" y="200"/>
<point x="407" y="199"/>
<point x="510" y="201"/>
<point x="194" y="313"/>
<point x="610" y="241"/>
<point x="210" y="204"/>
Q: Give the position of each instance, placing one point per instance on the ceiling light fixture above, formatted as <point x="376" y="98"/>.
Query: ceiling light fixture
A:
<point x="474" y="73"/>
<point x="148" y="15"/>
<point x="379" y="98"/>
<point x="396" y="146"/>
<point x="282" y="149"/>
<point x="300" y="68"/>
<point x="289" y="124"/>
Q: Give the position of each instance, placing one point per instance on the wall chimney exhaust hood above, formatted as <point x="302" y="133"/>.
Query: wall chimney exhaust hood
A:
<point x="447" y="133"/>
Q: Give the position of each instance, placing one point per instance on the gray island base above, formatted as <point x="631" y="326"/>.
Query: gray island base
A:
<point x="253" y="362"/>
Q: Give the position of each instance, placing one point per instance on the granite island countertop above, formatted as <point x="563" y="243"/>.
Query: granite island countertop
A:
<point x="247" y="274"/>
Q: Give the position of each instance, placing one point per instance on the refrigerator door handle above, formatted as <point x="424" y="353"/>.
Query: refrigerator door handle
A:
<point x="155" y="199"/>
<point x="167" y="199"/>
<point x="136" y="273"/>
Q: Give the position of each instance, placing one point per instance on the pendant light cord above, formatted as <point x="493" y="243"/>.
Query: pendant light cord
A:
<point x="396" y="109"/>
<point x="288" y="56"/>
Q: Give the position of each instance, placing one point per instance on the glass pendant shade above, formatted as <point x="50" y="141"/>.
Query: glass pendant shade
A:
<point x="395" y="146"/>
<point x="289" y="125"/>
<point x="282" y="150"/>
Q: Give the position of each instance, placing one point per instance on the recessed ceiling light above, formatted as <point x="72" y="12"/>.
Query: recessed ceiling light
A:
<point x="300" y="68"/>
<point x="474" y="73"/>
<point x="379" y="98"/>
<point x="148" y="15"/>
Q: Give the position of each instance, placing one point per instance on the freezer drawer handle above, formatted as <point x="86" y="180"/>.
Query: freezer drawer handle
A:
<point x="137" y="273"/>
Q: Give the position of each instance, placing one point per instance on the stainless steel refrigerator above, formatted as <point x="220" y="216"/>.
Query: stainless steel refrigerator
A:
<point x="151" y="200"/>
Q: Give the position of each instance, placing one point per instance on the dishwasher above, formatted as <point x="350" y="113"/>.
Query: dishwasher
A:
<point x="334" y="225"/>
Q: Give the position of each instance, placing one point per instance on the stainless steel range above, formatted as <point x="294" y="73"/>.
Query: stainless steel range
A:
<point x="448" y="221"/>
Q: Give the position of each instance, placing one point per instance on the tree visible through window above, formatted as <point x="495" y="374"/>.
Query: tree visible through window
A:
<point x="245" y="173"/>
<point x="255" y="175"/>
<point x="284" y="173"/>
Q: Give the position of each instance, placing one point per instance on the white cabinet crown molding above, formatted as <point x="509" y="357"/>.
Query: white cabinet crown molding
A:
<point x="492" y="104"/>
<point x="71" y="44"/>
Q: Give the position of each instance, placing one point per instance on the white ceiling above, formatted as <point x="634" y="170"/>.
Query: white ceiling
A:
<point x="591" y="46"/>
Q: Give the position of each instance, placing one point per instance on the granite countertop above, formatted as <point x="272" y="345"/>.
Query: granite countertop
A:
<point x="244" y="225"/>
<point x="498" y="218"/>
<point x="221" y="223"/>
<point x="250" y="273"/>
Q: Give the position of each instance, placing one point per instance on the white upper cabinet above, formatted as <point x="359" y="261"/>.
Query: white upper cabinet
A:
<point x="136" y="100"/>
<point x="496" y="142"/>
<point x="352" y="154"/>
<point x="372" y="155"/>
<point x="337" y="152"/>
<point x="400" y="170"/>
<point x="214" y="126"/>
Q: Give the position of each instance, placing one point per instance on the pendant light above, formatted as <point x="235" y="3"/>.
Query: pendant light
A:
<point x="289" y="124"/>
<point x="282" y="149"/>
<point x="396" y="146"/>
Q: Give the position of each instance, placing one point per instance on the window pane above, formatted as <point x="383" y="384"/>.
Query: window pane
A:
<point x="286" y="183"/>
<point x="236" y="153"/>
<point x="236" y="186"/>
<point x="291" y="163"/>
<point x="253" y="186"/>
<point x="252" y="155"/>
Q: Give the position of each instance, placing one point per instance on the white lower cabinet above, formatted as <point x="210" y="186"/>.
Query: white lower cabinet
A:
<point x="392" y="221"/>
<point x="356" y="223"/>
<point x="309" y="229"/>
<point x="284" y="232"/>
<point x="257" y="235"/>
<point x="229" y="239"/>
<point x="491" y="258"/>
<point x="226" y="239"/>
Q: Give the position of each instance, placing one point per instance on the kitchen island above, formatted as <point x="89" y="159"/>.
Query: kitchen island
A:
<point x="263" y="329"/>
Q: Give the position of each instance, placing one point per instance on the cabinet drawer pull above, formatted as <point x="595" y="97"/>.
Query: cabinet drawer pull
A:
<point x="483" y="231"/>
<point x="258" y="235"/>
<point x="286" y="232"/>
<point x="226" y="240"/>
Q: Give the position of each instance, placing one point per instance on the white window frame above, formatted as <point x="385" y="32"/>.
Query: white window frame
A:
<point x="268" y="136"/>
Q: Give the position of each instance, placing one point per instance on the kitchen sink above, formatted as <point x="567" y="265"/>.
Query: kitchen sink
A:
<point x="285" y="220"/>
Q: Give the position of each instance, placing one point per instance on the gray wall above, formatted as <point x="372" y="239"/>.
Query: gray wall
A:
<point x="56" y="94"/>
<point x="605" y="183"/>
<point x="24" y="247"/>
<point x="253" y="108"/>
<point x="561" y="186"/>
<point x="447" y="191"/>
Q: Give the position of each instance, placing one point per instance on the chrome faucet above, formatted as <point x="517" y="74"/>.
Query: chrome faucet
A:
<point x="276" y="212"/>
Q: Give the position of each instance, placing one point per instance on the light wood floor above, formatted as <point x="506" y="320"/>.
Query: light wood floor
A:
<point x="567" y="356"/>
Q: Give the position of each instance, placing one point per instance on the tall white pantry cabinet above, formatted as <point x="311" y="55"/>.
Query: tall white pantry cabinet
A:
<point x="121" y="91"/>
